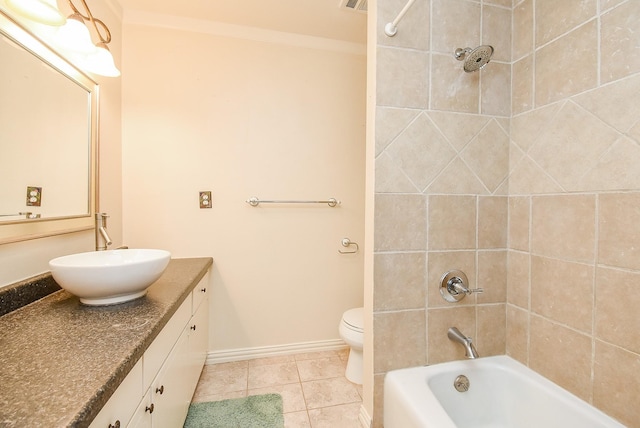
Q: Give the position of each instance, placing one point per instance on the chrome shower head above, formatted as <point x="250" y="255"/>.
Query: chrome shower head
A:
<point x="474" y="59"/>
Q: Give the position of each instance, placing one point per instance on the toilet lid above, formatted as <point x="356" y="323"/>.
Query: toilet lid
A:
<point x="354" y="318"/>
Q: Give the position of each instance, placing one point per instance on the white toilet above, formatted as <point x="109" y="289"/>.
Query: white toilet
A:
<point x="351" y="332"/>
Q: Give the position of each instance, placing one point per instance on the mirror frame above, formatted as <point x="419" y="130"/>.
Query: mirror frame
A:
<point x="27" y="229"/>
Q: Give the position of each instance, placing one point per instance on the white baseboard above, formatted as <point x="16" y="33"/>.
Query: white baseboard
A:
<point x="225" y="356"/>
<point x="364" y="418"/>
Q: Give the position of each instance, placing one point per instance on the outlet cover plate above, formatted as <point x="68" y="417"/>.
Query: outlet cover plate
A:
<point x="205" y="199"/>
<point x="34" y="196"/>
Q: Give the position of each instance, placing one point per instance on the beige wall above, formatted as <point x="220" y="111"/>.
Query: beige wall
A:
<point x="468" y="173"/>
<point x="25" y="259"/>
<point x="243" y="118"/>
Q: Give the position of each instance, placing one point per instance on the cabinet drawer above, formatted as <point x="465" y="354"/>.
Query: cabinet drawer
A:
<point x="157" y="352"/>
<point x="201" y="291"/>
<point x="123" y="402"/>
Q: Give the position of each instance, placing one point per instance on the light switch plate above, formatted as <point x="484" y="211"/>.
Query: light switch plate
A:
<point x="205" y="199"/>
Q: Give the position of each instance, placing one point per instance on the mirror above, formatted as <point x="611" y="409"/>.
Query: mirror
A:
<point x="48" y="139"/>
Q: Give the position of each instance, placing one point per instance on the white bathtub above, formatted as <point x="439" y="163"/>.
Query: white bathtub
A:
<point x="502" y="394"/>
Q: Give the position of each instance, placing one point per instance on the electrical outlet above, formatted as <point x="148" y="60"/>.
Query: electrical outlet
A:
<point x="205" y="199"/>
<point x="34" y="196"/>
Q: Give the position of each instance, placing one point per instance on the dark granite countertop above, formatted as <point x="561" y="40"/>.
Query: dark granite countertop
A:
<point x="61" y="361"/>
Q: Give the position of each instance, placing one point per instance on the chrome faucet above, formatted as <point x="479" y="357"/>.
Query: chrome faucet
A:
<point x="456" y="335"/>
<point x="102" y="237"/>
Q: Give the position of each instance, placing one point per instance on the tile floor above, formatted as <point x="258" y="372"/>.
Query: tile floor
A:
<point x="314" y="391"/>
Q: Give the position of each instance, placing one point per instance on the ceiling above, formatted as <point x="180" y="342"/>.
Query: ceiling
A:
<point x="319" y="18"/>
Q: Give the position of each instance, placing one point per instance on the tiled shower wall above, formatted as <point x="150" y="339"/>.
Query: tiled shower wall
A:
<point x="574" y="199"/>
<point x="529" y="184"/>
<point x="442" y="164"/>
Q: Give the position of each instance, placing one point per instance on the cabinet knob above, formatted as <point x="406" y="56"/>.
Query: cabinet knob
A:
<point x="149" y="408"/>
<point x="160" y="390"/>
<point x="116" y="425"/>
<point x="193" y="327"/>
<point x="204" y="290"/>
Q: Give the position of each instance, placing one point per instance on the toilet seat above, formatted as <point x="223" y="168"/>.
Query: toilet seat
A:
<point x="353" y="319"/>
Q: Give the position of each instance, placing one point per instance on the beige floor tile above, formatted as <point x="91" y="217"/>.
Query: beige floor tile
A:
<point x="315" y="355"/>
<point x="329" y="392"/>
<point x="292" y="397"/>
<point x="214" y="381"/>
<point x="279" y="359"/>
<point x="343" y="416"/>
<point x="296" y="420"/>
<point x="320" y="368"/>
<point x="272" y="374"/>
<point x="227" y="366"/>
<point x="202" y="397"/>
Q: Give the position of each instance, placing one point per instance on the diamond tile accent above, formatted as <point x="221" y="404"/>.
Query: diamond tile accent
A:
<point x="488" y="155"/>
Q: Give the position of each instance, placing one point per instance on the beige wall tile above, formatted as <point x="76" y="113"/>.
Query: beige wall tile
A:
<point x="400" y="222"/>
<point x="488" y="155"/>
<point x="455" y="22"/>
<point x="399" y="340"/>
<point x="443" y="262"/>
<point x="563" y="292"/>
<point x="378" y="400"/>
<point x="412" y="33"/>
<point x="561" y="150"/>
<point x="611" y="104"/>
<point x="619" y="41"/>
<point x="442" y="349"/>
<point x="616" y="385"/>
<point x="517" y="334"/>
<point x="492" y="276"/>
<point x="390" y="123"/>
<point x="401" y="281"/>
<point x="496" y="31"/>
<point x="553" y="349"/>
<point x="527" y="128"/>
<point x="617" y="169"/>
<point x="495" y="89"/>
<point x="451" y="88"/>
<point x="390" y="178"/>
<point x="567" y="66"/>
<point x="522" y="29"/>
<point x="492" y="221"/>
<point x="421" y="151"/>
<point x="617" y="320"/>
<point x="458" y="128"/>
<point x="619" y="230"/>
<point x="518" y="279"/>
<point x="564" y="227"/>
<point x="491" y="330"/>
<point x="452" y="222"/>
<point x="403" y="78"/>
<point x="554" y="18"/>
<point x="457" y="179"/>
<point x="519" y="208"/>
<point x="522" y="85"/>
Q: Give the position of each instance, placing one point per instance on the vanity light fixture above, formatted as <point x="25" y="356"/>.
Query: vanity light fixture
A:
<point x="75" y="36"/>
<point x="43" y="11"/>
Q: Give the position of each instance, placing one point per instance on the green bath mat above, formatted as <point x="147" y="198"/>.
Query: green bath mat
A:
<point x="255" y="411"/>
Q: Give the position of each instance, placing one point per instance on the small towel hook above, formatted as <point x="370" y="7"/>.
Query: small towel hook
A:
<point x="346" y="242"/>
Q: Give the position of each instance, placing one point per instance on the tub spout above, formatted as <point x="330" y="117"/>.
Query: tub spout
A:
<point x="456" y="335"/>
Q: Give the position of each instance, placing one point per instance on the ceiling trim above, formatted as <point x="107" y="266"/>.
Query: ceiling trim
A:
<point x="136" y="17"/>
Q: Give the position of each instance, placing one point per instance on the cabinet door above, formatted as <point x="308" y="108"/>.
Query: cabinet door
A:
<point x="118" y="410"/>
<point x="198" y="343"/>
<point x="169" y="392"/>
<point x="143" y="415"/>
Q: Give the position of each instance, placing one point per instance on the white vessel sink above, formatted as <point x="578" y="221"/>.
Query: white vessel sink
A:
<point x="109" y="277"/>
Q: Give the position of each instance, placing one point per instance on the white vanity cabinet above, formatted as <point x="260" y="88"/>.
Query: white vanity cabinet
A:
<point x="169" y="372"/>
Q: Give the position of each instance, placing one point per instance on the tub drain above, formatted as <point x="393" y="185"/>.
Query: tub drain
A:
<point x="461" y="384"/>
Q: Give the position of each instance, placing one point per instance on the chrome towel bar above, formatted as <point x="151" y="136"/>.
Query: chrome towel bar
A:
<point x="254" y="202"/>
